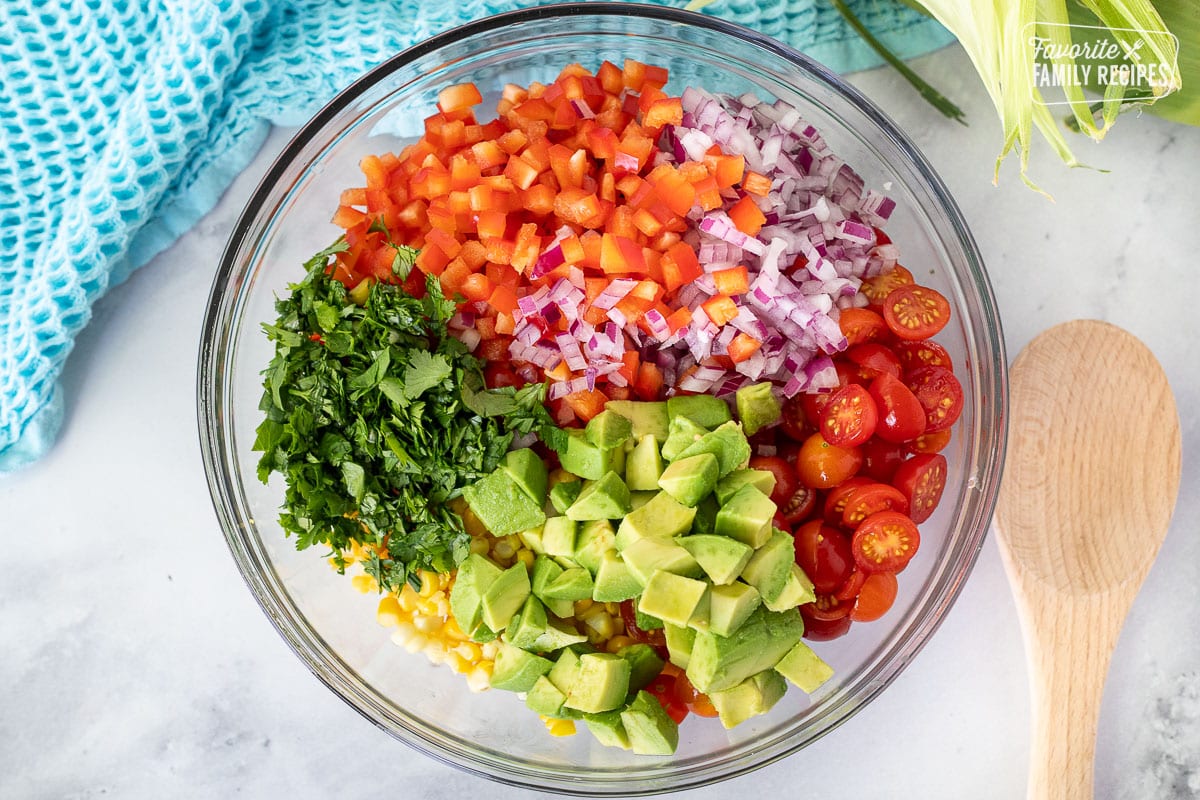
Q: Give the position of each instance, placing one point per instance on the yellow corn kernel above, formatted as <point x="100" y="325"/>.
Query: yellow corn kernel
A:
<point x="480" y="547"/>
<point x="613" y="608"/>
<point x="388" y="614"/>
<point x="364" y="583"/>
<point x="601" y="623"/>
<point x="526" y="557"/>
<point x="618" y="643"/>
<point x="479" y="679"/>
<point x="451" y="630"/>
<point x="559" y="727"/>
<point x="582" y="606"/>
<point x="559" y="476"/>
<point x="415" y="642"/>
<point x="457" y="662"/>
<point x="469" y="652"/>
<point x="407" y="599"/>
<point x="503" y="550"/>
<point x="489" y="651"/>
<point x="472" y="523"/>
<point x="427" y="625"/>
<point x="428" y="585"/>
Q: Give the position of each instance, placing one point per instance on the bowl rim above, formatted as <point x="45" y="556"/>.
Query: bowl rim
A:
<point x="213" y="443"/>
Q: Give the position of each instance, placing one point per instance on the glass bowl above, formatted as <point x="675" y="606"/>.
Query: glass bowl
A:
<point x="332" y="628"/>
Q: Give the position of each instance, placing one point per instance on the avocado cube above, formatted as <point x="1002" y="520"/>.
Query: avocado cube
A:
<point x="483" y="634"/>
<point x="581" y="457"/>
<point x="721" y="558"/>
<point x="639" y="499"/>
<point x="674" y="598"/>
<point x="746" y="517"/>
<point x="545" y="698"/>
<point x="644" y="621"/>
<point x="527" y="625"/>
<point x="753" y="696"/>
<point x="545" y="570"/>
<point x="505" y="597"/>
<point x="563" y="609"/>
<point x="606" y="498"/>
<point x="529" y="471"/>
<point x="516" y="670"/>
<point x="644" y="665"/>
<point x="644" y="465"/>
<point x="651" y="731"/>
<point x="532" y="538"/>
<point x="558" y="537"/>
<point x="771" y="565"/>
<point x="608" y="429"/>
<point x="729" y="606"/>
<point x="662" y="518"/>
<point x="565" y="670"/>
<point x="803" y="667"/>
<point x="647" y="556"/>
<point x="595" y="537"/>
<point x="608" y="729"/>
<point x="556" y="636"/>
<point x="600" y="683"/>
<point x="501" y="505"/>
<point x="760" y="479"/>
<point x="565" y="493"/>
<point x="680" y="640"/>
<point x="646" y="418"/>
<point x="573" y="584"/>
<point x="475" y="574"/>
<point x="706" y="516"/>
<point x="683" y="434"/>
<point x="614" y="581"/>
<point x="757" y="407"/>
<point x="797" y="591"/>
<point x="728" y="443"/>
<point x="690" y="480"/>
<point x="702" y="409"/>
<point x="722" y="662"/>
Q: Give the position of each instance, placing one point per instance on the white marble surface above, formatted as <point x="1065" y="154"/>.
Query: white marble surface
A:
<point x="135" y="663"/>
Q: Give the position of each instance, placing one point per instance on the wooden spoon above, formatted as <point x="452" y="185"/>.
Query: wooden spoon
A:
<point x="1090" y="481"/>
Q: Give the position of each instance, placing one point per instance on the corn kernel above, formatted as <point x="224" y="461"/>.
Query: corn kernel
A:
<point x="407" y="599"/>
<point x="526" y="557"/>
<point x="582" y="605"/>
<point x="364" y="583"/>
<point x="618" y="643"/>
<point x="480" y="547"/>
<point x="478" y="679"/>
<point x="415" y="642"/>
<point x="469" y="651"/>
<point x="428" y="586"/>
<point x="427" y="625"/>
<point x="601" y="623"/>
<point x="504" y="550"/>
<point x="452" y="631"/>
<point x="559" y="727"/>
<point x="457" y="662"/>
<point x="613" y="608"/>
<point x="388" y="614"/>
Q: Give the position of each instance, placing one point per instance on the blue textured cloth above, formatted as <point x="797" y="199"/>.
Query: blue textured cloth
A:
<point x="121" y="123"/>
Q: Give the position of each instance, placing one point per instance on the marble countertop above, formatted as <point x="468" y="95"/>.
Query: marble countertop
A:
<point x="135" y="663"/>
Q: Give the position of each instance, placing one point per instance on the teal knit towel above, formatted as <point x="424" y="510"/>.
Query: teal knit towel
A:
<point x="122" y="122"/>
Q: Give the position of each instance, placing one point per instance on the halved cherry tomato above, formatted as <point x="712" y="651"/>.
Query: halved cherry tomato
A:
<point x="825" y="619"/>
<point x="849" y="417"/>
<point x="878" y="288"/>
<point x="793" y="420"/>
<point x="872" y="359"/>
<point x="915" y="312"/>
<point x="655" y="638"/>
<point x="835" y="501"/>
<point x="800" y="506"/>
<point x="881" y="457"/>
<point x="928" y="442"/>
<point x="922" y="479"/>
<point x="922" y="353"/>
<point x="871" y="499"/>
<point x="695" y="701"/>
<point x="901" y="416"/>
<point x="885" y="542"/>
<point x="876" y="596"/>
<point x="663" y="689"/>
<point x="939" y="393"/>
<point x="821" y="465"/>
<point x="823" y="552"/>
<point x="861" y="325"/>
<point x="786" y="481"/>
<point x="851" y="586"/>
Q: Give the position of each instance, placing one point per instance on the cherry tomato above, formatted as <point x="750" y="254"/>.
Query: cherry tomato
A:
<point x="922" y="353"/>
<point x="852" y="586"/>
<point x="878" y="288"/>
<point x="885" y="542"/>
<point x="901" y="414"/>
<point x="882" y="238"/>
<point x="849" y="417"/>
<point x="696" y="702"/>
<point x="871" y="499"/>
<point x="825" y="619"/>
<point x="800" y="506"/>
<point x="663" y="689"/>
<point x="872" y="359"/>
<point x="835" y="501"/>
<point x="847" y="373"/>
<point x="915" y="312"/>
<point x="793" y="421"/>
<point x="881" y="457"/>
<point x="821" y="465"/>
<point x="861" y="325"/>
<point x="824" y="553"/>
<point x="811" y="405"/>
<point x="927" y="442"/>
<point x="876" y="596"/>
<point x="939" y="393"/>
<point x="655" y="638"/>
<point x="494" y="349"/>
<point x="922" y="479"/>
<point x="786" y="481"/>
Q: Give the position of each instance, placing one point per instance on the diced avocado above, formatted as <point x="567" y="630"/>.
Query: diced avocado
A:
<point x="760" y="479"/>
<point x="722" y="662"/>
<point x="483" y="634"/>
<point x="581" y="457"/>
<point x="674" y="598"/>
<point x="595" y="537"/>
<point x="690" y="480"/>
<point x="529" y="471"/>
<point x="614" y="581"/>
<point x="728" y="443"/>
<point x="527" y="625"/>
<point x="647" y="418"/>
<point x="730" y="606"/>
<point x="753" y="696"/>
<point x="757" y="407"/>
<point x="608" y="729"/>
<point x="475" y="574"/>
<point x="680" y="640"/>
<point x="721" y="558"/>
<point x="644" y="465"/>
<point x="532" y="538"/>
<point x="647" y="556"/>
<point x="505" y="597"/>
<point x="644" y="665"/>
<point x="804" y="668"/>
<point x="771" y="565"/>
<point x="565" y="670"/>
<point x="558" y="537"/>
<point x="563" y="609"/>
<point x="662" y="518"/>
<point x="517" y="670"/>
<point x="545" y="570"/>
<point x="600" y="684"/>
<point x="563" y="494"/>
<point x="650" y="730"/>
<point x="606" y="498"/>
<point x="797" y="591"/>
<point x="645" y="621"/>
<point x="608" y="429"/>
<point x="706" y="516"/>
<point x="683" y="434"/>
<point x="501" y="505"/>
<point x="545" y="698"/>
<point x="702" y="409"/>
<point x="639" y="499"/>
<point x="573" y="584"/>
<point x="746" y="517"/>
<point x="556" y="636"/>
